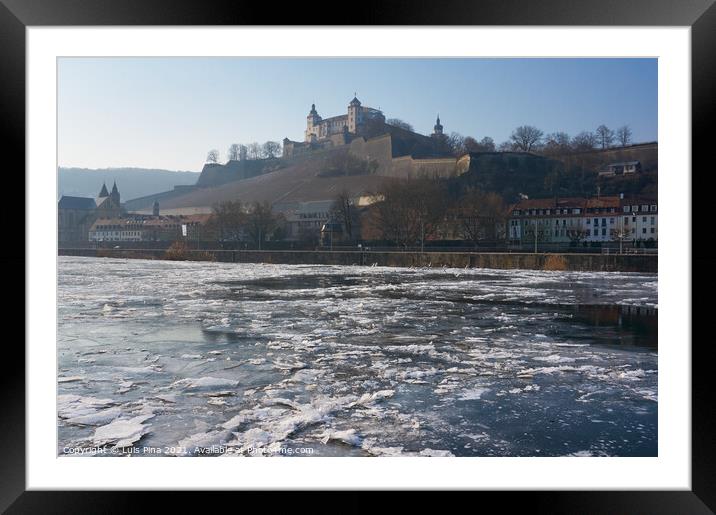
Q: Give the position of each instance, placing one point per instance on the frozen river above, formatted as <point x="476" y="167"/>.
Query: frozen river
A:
<point x="182" y="358"/>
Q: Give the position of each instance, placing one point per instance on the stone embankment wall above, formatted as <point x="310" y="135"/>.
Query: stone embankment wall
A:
<point x="525" y="261"/>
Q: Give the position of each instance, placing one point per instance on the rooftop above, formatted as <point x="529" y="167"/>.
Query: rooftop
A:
<point x="85" y="203"/>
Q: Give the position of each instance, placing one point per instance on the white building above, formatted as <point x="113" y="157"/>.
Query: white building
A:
<point x="594" y="220"/>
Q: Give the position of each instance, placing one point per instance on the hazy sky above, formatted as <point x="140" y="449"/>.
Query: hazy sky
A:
<point x="168" y="112"/>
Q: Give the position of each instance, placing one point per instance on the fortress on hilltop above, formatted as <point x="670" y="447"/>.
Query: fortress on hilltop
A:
<point x="359" y="121"/>
<point x="354" y="121"/>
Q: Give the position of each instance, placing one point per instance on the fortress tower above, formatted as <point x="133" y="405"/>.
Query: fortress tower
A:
<point x="313" y="123"/>
<point x="355" y="115"/>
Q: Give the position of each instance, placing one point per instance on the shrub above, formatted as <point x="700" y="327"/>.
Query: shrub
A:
<point x="179" y="251"/>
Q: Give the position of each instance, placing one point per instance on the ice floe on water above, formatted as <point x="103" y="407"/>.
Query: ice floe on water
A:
<point x="205" y="359"/>
<point x="204" y="383"/>
<point x="122" y="433"/>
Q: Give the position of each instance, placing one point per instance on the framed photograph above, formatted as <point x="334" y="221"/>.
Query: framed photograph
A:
<point x="415" y="250"/>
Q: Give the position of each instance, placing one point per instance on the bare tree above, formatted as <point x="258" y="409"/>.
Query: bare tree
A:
<point x="254" y="150"/>
<point x="471" y="144"/>
<point x="621" y="234"/>
<point x="486" y="144"/>
<point x="261" y="222"/>
<point x="585" y="140"/>
<point x="397" y="122"/>
<point x="233" y="153"/>
<point x="506" y="146"/>
<point x="557" y="143"/>
<point x="271" y="149"/>
<point x="342" y="212"/>
<point x="526" y="137"/>
<point x="576" y="233"/>
<point x="456" y="143"/>
<point x="411" y="210"/>
<point x="624" y="135"/>
<point x="481" y="215"/>
<point x="228" y="220"/>
<point x="605" y="136"/>
<point x="212" y="156"/>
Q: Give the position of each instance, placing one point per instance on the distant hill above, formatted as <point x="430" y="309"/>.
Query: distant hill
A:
<point x="131" y="182"/>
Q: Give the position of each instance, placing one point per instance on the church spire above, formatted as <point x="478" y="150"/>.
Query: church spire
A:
<point x="437" y="129"/>
<point x="103" y="192"/>
<point x="115" y="193"/>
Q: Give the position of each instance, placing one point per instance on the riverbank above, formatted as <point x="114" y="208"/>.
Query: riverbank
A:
<point x="524" y="261"/>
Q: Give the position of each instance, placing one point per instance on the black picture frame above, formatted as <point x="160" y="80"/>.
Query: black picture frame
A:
<point x="700" y="15"/>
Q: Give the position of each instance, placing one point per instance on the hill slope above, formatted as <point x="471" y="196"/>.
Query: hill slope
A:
<point x="299" y="181"/>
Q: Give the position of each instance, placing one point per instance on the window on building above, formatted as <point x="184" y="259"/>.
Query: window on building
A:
<point x="653" y="207"/>
<point x="589" y="221"/>
<point x="643" y="219"/>
<point x="588" y="232"/>
<point x="626" y="209"/>
<point x="611" y="221"/>
<point x="652" y="230"/>
<point x="604" y="222"/>
<point x="604" y="232"/>
<point x="643" y="230"/>
<point x="653" y="220"/>
<point x="626" y="220"/>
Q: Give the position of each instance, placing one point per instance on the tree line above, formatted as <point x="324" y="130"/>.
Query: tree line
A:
<point x="528" y="138"/>
<point x="412" y="211"/>
<point x="255" y="222"/>
<point x="251" y="151"/>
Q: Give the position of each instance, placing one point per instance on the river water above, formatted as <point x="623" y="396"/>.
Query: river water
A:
<point x="188" y="358"/>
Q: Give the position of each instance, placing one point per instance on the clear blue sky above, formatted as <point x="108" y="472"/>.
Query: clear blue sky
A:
<point x="168" y="112"/>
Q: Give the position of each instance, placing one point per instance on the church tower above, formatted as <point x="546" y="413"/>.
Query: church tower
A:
<point x="103" y="192"/>
<point x="437" y="128"/>
<point x="115" y="194"/>
<point x="155" y="208"/>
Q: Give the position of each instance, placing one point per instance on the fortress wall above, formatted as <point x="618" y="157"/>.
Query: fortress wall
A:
<point x="445" y="167"/>
<point x="378" y="149"/>
<point x="214" y="174"/>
